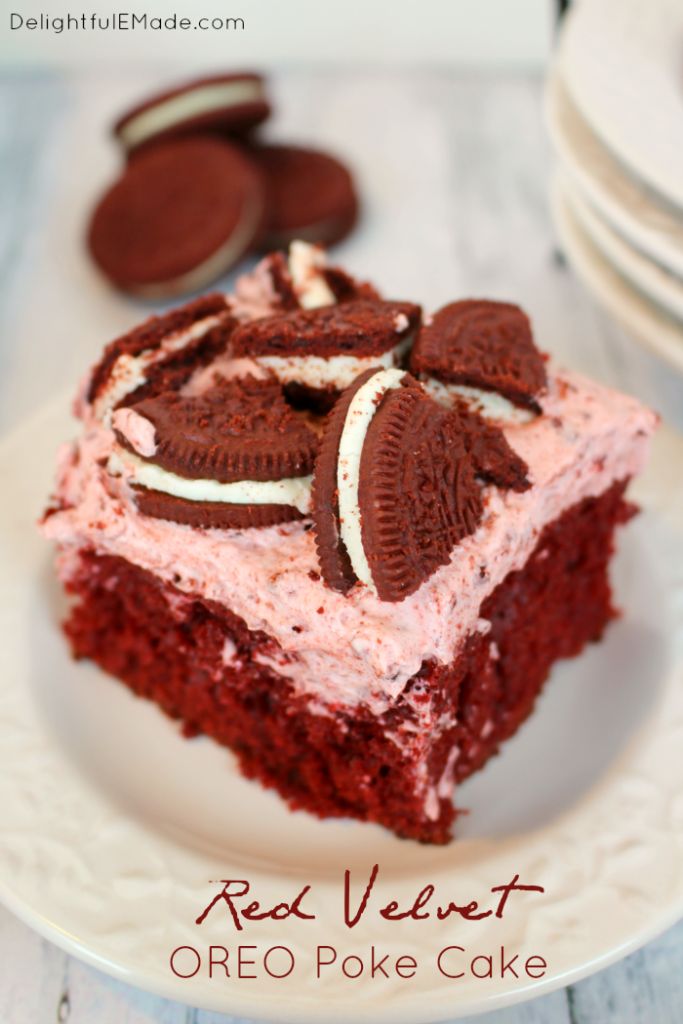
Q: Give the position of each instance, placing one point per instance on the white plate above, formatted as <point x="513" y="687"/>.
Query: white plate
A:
<point x="647" y="277"/>
<point x="113" y="826"/>
<point x="634" y="211"/>
<point x="642" y="319"/>
<point x="621" y="61"/>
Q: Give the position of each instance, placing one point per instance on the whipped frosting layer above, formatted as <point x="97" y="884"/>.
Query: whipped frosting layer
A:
<point x="354" y="648"/>
<point x="138" y="431"/>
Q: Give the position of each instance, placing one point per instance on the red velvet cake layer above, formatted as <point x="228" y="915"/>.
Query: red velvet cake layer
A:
<point x="201" y="664"/>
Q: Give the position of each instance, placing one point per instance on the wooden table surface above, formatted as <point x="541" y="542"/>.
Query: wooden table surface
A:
<point x="454" y="169"/>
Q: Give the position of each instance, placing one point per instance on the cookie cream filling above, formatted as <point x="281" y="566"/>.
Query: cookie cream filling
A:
<point x="305" y="265"/>
<point x="130" y="372"/>
<point x="361" y="410"/>
<point x="294" y="491"/>
<point x="194" y="103"/>
<point x="336" y="371"/>
<point x="489" y="404"/>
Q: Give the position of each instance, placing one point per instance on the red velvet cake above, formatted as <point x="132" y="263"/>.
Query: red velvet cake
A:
<point x="362" y="600"/>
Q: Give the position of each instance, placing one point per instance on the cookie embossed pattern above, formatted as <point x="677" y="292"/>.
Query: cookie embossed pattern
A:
<point x="363" y="595"/>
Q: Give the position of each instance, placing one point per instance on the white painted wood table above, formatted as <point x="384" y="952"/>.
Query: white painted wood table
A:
<point x="454" y="169"/>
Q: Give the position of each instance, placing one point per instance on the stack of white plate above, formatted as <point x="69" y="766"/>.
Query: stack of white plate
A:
<point x="614" y="105"/>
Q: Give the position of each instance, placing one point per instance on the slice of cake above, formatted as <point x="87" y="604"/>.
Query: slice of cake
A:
<point x="360" y="596"/>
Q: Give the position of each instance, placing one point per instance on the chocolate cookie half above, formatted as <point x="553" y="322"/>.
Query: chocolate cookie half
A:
<point x="318" y="352"/>
<point x="234" y="457"/>
<point x="482" y="352"/>
<point x="398" y="483"/>
<point x="228" y="103"/>
<point x="160" y="355"/>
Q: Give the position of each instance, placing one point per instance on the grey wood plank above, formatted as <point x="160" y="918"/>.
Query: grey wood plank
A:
<point x="645" y="988"/>
<point x="32" y="974"/>
<point x="94" y="997"/>
<point x="209" y="1017"/>
<point x="550" y="1009"/>
<point x="30" y="111"/>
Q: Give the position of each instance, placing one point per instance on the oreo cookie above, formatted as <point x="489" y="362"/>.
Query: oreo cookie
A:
<point x="478" y="349"/>
<point x="394" y="487"/>
<point x="311" y="196"/>
<point x="178" y="218"/>
<point x="233" y="457"/>
<point x="160" y="354"/>
<point x="318" y="352"/>
<point x="398" y="483"/>
<point x="232" y="103"/>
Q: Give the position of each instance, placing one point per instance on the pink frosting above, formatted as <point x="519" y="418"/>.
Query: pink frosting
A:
<point x="355" y="648"/>
<point x="139" y="432"/>
<point x="255" y="295"/>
